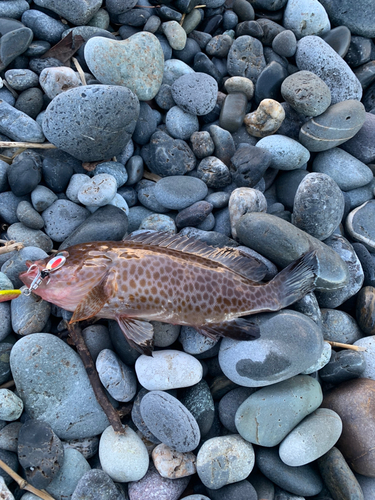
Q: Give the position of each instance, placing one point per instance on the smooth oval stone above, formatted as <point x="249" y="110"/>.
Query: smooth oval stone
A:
<point x="362" y="144"/>
<point x="315" y="55"/>
<point x="224" y="144"/>
<point x="321" y="362"/>
<point x="29" y="314"/>
<point x="91" y="483"/>
<point x="56" y="80"/>
<point x="9" y="436"/>
<point x="172" y="464"/>
<point x="233" y="111"/>
<point x="229" y="405"/>
<point x="269" y="415"/>
<point x="62" y="218"/>
<point x="242" y="201"/>
<point x="343" y="365"/>
<point x="18" y="126"/>
<point x="246" y="58"/>
<point x="170" y="421"/>
<point x="175" y="34"/>
<point x="11" y="406"/>
<point x="339" y="326"/>
<point x="368" y="343"/>
<point x="281" y="242"/>
<point x="29" y="216"/>
<point x="354" y="402"/>
<point x="77" y="12"/>
<point x="306" y="18"/>
<point x="285" y="44"/>
<point x="312" y="438"/>
<point x="52" y="394"/>
<point x="306" y="93"/>
<point x="154" y="485"/>
<point x="339" y="39"/>
<point x="265" y="120"/>
<point x="123" y="457"/>
<point x="287" y="154"/>
<point x="360" y="225"/>
<point x="339" y="123"/>
<point x="269" y="81"/>
<point x="358" y="17"/>
<point x="177" y="192"/>
<point x="239" y="84"/>
<point x="29" y="237"/>
<point x="259" y="362"/>
<point x="318" y="205"/>
<point x="365" y="312"/>
<point x="78" y="121"/>
<point x="224" y="460"/>
<point x="348" y="172"/>
<point x="136" y="63"/>
<point x="338" y="477"/>
<point x="195" y="93"/>
<point x="116" y="377"/>
<point x="168" y="369"/>
<point x="181" y="125"/>
<point x="40" y="452"/>
<point x="303" y="480"/>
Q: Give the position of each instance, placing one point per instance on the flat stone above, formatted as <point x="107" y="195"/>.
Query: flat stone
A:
<point x="48" y="395"/>
<point x="353" y="401"/>
<point x="339" y="123"/>
<point x="18" y="126"/>
<point x="119" y="379"/>
<point x="170" y="421"/>
<point x="21" y="79"/>
<point x="343" y="365"/>
<point x="311" y="438"/>
<point x="170" y="370"/>
<point x="259" y="363"/>
<point x="315" y="55"/>
<point x="123" y="457"/>
<point x="172" y="464"/>
<point x="233" y="111"/>
<point x="178" y="192"/>
<point x="29" y="216"/>
<point x="175" y="34"/>
<point x="306" y="93"/>
<point x="153" y="485"/>
<point x="136" y="63"/>
<point x="302" y="480"/>
<point x="13" y="44"/>
<point x="91" y="132"/>
<point x="195" y="93"/>
<point x="78" y="13"/>
<point x="281" y="242"/>
<point x="269" y="415"/>
<point x="287" y="154"/>
<point x="224" y="460"/>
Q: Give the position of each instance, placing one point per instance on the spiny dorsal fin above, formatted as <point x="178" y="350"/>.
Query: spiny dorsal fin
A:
<point x="245" y="265"/>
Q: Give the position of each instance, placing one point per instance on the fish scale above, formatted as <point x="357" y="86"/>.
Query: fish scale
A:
<point x="169" y="278"/>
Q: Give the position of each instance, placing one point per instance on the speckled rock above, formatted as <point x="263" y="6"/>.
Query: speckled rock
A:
<point x="306" y="18"/>
<point x="98" y="191"/>
<point x="259" y="363"/>
<point x="91" y="132"/>
<point x="9" y="436"/>
<point x="62" y="218"/>
<point x="306" y="93"/>
<point x="17" y="125"/>
<point x="175" y="34"/>
<point x="172" y="464"/>
<point x="198" y="400"/>
<point x="136" y="63"/>
<point x="194" y="342"/>
<point x="267" y="416"/>
<point x="287" y="154"/>
<point x="170" y="421"/>
<point x="152" y="485"/>
<point x="91" y="483"/>
<point x="213" y="172"/>
<point x="29" y="237"/>
<point x="11" y="406"/>
<point x="166" y="156"/>
<point x="195" y="93"/>
<point x="123" y="457"/>
<point x="265" y="120"/>
<point x="343" y="365"/>
<point x="315" y="55"/>
<point x="224" y="460"/>
<point x="246" y="58"/>
<point x="77" y="12"/>
<point x="29" y="314"/>
<point x="242" y="201"/>
<point x="56" y="80"/>
<point x="52" y="394"/>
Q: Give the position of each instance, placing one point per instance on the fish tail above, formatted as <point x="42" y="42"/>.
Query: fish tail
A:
<point x="296" y="280"/>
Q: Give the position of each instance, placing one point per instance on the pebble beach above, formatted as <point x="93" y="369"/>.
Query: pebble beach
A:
<point x="242" y="124"/>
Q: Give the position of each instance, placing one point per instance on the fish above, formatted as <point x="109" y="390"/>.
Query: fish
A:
<point x="156" y="276"/>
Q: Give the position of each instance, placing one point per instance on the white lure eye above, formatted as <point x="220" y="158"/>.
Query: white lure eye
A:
<point x="55" y="263"/>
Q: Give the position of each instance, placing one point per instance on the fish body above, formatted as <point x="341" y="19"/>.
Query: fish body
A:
<point x="172" y="279"/>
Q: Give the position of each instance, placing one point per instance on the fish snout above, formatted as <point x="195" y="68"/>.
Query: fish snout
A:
<point x="27" y="277"/>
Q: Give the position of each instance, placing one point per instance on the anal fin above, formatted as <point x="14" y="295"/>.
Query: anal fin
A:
<point x="139" y="334"/>
<point x="100" y="294"/>
<point x="237" y="329"/>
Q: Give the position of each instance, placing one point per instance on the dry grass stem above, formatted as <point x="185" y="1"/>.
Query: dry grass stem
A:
<point x="346" y="346"/>
<point x="150" y="176"/>
<point x="10" y="383"/>
<point x="10" y="246"/>
<point x="34" y="145"/>
<point x="80" y="71"/>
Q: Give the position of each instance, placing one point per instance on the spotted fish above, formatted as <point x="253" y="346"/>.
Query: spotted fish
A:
<point x="167" y="278"/>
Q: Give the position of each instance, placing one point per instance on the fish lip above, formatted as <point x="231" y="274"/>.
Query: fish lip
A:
<point x="27" y="276"/>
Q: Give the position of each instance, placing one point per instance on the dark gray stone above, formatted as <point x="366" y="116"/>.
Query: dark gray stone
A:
<point x="146" y="124"/>
<point x="287" y="184"/>
<point x="178" y="192"/>
<point x="25" y="174"/>
<point x="77" y="12"/>
<point x="362" y="145"/>
<point x="242" y="490"/>
<point x="360" y="225"/>
<point x="30" y="102"/>
<point x="97" y="120"/>
<point x="43" y="26"/>
<point x="339" y="326"/>
<point x="339" y="39"/>
<point x="198" y="400"/>
<point x="343" y="365"/>
<point x="368" y="263"/>
<point x="17" y="125"/>
<point x="146" y="196"/>
<point x="224" y="144"/>
<point x="62" y="218"/>
<point x="91" y="483"/>
<point x="195" y="93"/>
<point x="213" y="172"/>
<point x="13" y="44"/>
<point x="168" y="156"/>
<point x="138" y="419"/>
<point x="246" y="58"/>
<point x="194" y="215"/>
<point x="229" y="405"/>
<point x="29" y="237"/>
<point x="358" y="17"/>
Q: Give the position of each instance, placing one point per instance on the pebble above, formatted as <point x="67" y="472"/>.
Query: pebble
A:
<point x="17" y="263"/>
<point x="54" y="81"/>
<point x="287" y="154"/>
<point x="368" y="356"/>
<point x="198" y="400"/>
<point x="266" y="417"/>
<point x="52" y="395"/>
<point x="224" y="460"/>
<point x="77" y="12"/>
<point x="348" y="172"/>
<point x="248" y="165"/>
<point x="159" y="222"/>
<point x="175" y="34"/>
<point x="246" y="58"/>
<point x="25" y="174"/>
<point x="194" y="215"/>
<point x="285" y="43"/>
<point x="365" y="311"/>
<point x="306" y="92"/>
<point x="21" y="79"/>
<point x="229" y="405"/>
<point x="62" y="218"/>
<point x="343" y="365"/>
<point x="166" y="156"/>
<point x="195" y="93"/>
<point x="153" y="485"/>
<point x="244" y="200"/>
<point x="311" y="438"/>
<point x="259" y="363"/>
<point x="11" y="460"/>
<point x="266" y="120"/>
<point x="87" y="446"/>
<point x="42" y="198"/>
<point x="177" y="192"/>
<point x="233" y="111"/>
<point x="123" y="457"/>
<point x="17" y="125"/>
<point x="315" y="55"/>
<point x="181" y="125"/>
<point x="224" y="144"/>
<point x="9" y="436"/>
<point x="44" y="27"/>
<point x="361" y="145"/>
<point x="269" y="81"/>
<point x="29" y="216"/>
<point x="93" y="481"/>
<point x="40" y="452"/>
<point x="302" y="480"/>
<point x="170" y="370"/>
<point x="11" y="406"/>
<point x="98" y="191"/>
<point x="318" y="205"/>
<point x="339" y="326"/>
<point x="359" y="224"/>
<point x="13" y="44"/>
<point x="29" y="314"/>
<point x="73" y="115"/>
<point x="213" y="172"/>
<point x="116" y="377"/>
<point x="193" y="342"/>
<point x="170" y="421"/>
<point x="306" y="18"/>
<point x="5" y="349"/>
<point x="172" y="464"/>
<point x="239" y="84"/>
<point x="358" y="18"/>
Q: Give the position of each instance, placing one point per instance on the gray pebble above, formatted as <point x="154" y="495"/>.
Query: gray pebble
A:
<point x="178" y="192"/>
<point x="165" y="334"/>
<point x="195" y="93"/>
<point x="5" y="322"/>
<point x="21" y="79"/>
<point x="306" y="92"/>
<point x="339" y="326"/>
<point x="42" y="198"/>
<point x="343" y="365"/>
<point x="285" y="44"/>
<point x="181" y="125"/>
<point x="62" y="218"/>
<point x="360" y="225"/>
<point x="75" y="184"/>
<point x="11" y="406"/>
<point x="175" y="34"/>
<point x="29" y="314"/>
<point x="18" y="126"/>
<point x="306" y="17"/>
<point x="9" y="436"/>
<point x="134" y="168"/>
<point x="98" y="191"/>
<point x="213" y="172"/>
<point x="153" y="484"/>
<point x="246" y="58"/>
<point x="8" y="206"/>
<point x="116" y="377"/>
<point x="114" y="168"/>
<point x="29" y="237"/>
<point x="91" y="483"/>
<point x="97" y="338"/>
<point x="287" y="154"/>
<point x="44" y="27"/>
<point x="193" y="342"/>
<point x="65" y="481"/>
<point x="77" y="12"/>
<point x="159" y="222"/>
<point x="29" y="216"/>
<point x="218" y="199"/>
<point x="147" y="197"/>
<point x="198" y="400"/>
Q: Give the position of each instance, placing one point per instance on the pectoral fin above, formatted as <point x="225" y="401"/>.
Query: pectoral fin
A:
<point x="139" y="334"/>
<point x="93" y="302"/>
<point x="237" y="329"/>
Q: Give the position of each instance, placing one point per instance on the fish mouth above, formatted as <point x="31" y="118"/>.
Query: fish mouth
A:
<point x="28" y="276"/>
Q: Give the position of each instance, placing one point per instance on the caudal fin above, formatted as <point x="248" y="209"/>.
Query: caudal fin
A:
<point x="296" y="280"/>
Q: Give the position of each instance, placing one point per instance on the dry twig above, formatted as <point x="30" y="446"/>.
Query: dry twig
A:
<point x="10" y="246"/>
<point x="346" y="346"/>
<point x="151" y="176"/>
<point x="10" y="383"/>
<point x="80" y="71"/>
<point x="34" y="145"/>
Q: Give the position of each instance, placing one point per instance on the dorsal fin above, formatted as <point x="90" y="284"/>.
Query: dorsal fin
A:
<point x="247" y="266"/>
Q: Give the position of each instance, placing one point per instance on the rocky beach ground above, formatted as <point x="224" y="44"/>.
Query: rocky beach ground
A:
<point x="247" y="124"/>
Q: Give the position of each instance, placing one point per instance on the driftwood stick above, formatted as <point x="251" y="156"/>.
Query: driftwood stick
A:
<point x="112" y="415"/>
<point x="35" y="145"/>
<point x="9" y="246"/>
<point x="24" y="485"/>
<point x="151" y="176"/>
<point x="346" y="346"/>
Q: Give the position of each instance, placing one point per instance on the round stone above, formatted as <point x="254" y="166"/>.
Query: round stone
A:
<point x="246" y="58"/>
<point x="178" y="192"/>
<point x="136" y="63"/>
<point x="285" y="44"/>
<point x="62" y="218"/>
<point x="243" y="200"/>
<point x="287" y="154"/>
<point x="266" y="120"/>
<point x="233" y="451"/>
<point x="181" y="125"/>
<point x="269" y="415"/>
<point x="312" y="438"/>
<point x="168" y="369"/>
<point x="195" y="93"/>
<point x="56" y="80"/>
<point x="123" y="457"/>
<point x="339" y="326"/>
<point x="306" y="17"/>
<point x="98" y="191"/>
<point x="92" y="123"/>
<point x="11" y="406"/>
<point x="116" y="377"/>
<point x="154" y="485"/>
<point x="172" y="464"/>
<point x="306" y="93"/>
<point x="29" y="216"/>
<point x="259" y="363"/>
<point x="170" y="421"/>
